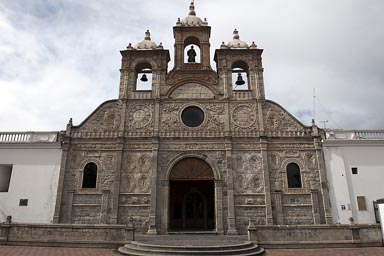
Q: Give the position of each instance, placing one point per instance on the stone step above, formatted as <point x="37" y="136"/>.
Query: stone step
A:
<point x="194" y="247"/>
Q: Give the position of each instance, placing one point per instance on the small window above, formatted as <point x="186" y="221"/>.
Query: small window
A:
<point x="192" y="116"/>
<point x="90" y="176"/>
<point x="361" y="205"/>
<point x="5" y="177"/>
<point x="354" y="170"/>
<point x="23" y="202"/>
<point x="293" y="176"/>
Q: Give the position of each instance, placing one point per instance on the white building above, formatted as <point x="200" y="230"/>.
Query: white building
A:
<point x="29" y="172"/>
<point x="355" y="172"/>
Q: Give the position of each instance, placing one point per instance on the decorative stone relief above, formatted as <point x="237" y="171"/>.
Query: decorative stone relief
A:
<point x="136" y="174"/>
<point x="274" y="160"/>
<point x="248" y="175"/>
<point x="214" y="116"/>
<point x="106" y="118"/>
<point x="278" y="119"/>
<point x="169" y="116"/>
<point x="244" y="117"/>
<point x="139" y="116"/>
<point x="310" y="160"/>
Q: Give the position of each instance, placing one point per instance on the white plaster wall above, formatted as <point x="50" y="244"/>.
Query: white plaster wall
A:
<point x="34" y="177"/>
<point x="345" y="187"/>
<point x="338" y="185"/>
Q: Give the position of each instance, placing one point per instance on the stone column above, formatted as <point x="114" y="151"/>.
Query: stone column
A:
<point x="219" y="206"/>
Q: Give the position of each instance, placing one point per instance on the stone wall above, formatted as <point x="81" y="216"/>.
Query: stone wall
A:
<point x="311" y="236"/>
<point x="65" y="235"/>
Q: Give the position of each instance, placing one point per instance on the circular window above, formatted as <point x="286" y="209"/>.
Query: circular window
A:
<point x="192" y="116"/>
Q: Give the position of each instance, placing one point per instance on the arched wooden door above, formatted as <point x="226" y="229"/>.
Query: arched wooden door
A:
<point x="191" y="196"/>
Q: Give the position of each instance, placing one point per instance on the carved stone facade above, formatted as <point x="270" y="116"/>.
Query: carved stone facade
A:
<point x="192" y="114"/>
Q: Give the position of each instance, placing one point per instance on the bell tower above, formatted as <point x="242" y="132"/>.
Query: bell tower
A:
<point x="192" y="42"/>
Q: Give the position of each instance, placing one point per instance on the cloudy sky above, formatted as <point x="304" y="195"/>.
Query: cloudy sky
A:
<point x="61" y="59"/>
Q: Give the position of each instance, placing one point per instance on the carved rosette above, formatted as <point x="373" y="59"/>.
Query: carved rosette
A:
<point x="140" y="116"/>
<point x="244" y="116"/>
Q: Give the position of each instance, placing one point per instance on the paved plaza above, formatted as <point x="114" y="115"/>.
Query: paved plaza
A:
<point x="57" y="251"/>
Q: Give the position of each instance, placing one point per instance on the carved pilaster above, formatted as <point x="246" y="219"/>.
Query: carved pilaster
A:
<point x="104" y="206"/>
<point x="315" y="206"/>
<point x="230" y="190"/>
<point x="279" y="207"/>
<point x="219" y="206"/>
<point x="63" y="167"/>
<point x="264" y="154"/>
<point x="152" y="229"/>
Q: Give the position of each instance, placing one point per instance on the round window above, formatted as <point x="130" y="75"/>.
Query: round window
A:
<point x="192" y="116"/>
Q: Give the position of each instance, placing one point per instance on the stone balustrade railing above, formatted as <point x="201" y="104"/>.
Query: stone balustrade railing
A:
<point x="355" y="134"/>
<point x="28" y="137"/>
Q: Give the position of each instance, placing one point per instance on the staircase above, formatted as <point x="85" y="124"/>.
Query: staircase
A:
<point x="197" y="245"/>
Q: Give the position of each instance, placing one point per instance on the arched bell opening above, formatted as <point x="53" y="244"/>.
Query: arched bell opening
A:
<point x="192" y="53"/>
<point x="191" y="196"/>
<point x="143" y="77"/>
<point x="240" y="76"/>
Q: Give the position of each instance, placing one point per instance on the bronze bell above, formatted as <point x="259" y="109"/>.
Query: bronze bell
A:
<point x="144" y="78"/>
<point x="240" y="80"/>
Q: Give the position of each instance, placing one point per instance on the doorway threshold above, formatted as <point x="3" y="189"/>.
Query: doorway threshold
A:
<point x="192" y="232"/>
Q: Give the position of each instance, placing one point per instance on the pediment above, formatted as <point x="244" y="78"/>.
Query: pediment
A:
<point x="278" y="119"/>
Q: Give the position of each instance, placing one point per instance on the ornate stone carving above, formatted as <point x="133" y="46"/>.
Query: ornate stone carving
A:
<point x="248" y="177"/>
<point x="310" y="160"/>
<point x="278" y="119"/>
<point x="139" y="116"/>
<point x="106" y="118"/>
<point x="274" y="160"/>
<point x="136" y="173"/>
<point x="244" y="115"/>
<point x="215" y="116"/>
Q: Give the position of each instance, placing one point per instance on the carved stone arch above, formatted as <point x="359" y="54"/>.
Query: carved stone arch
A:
<point x="192" y="40"/>
<point x="214" y="167"/>
<point x="240" y="63"/>
<point x="83" y="163"/>
<point x="141" y="63"/>
<point x="301" y="166"/>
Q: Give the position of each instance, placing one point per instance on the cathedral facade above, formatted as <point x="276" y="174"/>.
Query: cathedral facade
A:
<point x="192" y="148"/>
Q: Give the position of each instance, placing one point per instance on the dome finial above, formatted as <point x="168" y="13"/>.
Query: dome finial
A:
<point x="192" y="8"/>
<point x="236" y="34"/>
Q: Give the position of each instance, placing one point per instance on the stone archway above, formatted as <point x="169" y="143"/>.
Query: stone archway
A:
<point x="191" y="195"/>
